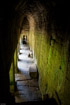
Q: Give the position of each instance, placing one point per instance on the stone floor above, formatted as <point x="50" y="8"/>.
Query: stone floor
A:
<point x="27" y="87"/>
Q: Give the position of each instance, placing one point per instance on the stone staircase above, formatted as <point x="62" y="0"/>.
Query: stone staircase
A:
<point x="27" y="89"/>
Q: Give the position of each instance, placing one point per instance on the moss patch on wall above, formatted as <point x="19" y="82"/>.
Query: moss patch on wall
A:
<point x="15" y="61"/>
<point x="13" y="70"/>
<point x="11" y="78"/>
<point x="51" y="61"/>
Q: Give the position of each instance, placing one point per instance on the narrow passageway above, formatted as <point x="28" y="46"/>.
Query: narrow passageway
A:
<point x="46" y="26"/>
<point x="26" y="79"/>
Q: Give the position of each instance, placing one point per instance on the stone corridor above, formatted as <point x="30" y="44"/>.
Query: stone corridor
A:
<point x="46" y="25"/>
<point x="27" y="86"/>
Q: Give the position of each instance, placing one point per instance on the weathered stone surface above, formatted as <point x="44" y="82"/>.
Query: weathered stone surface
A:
<point x="33" y="71"/>
<point x="27" y="88"/>
<point x="48" y="28"/>
<point x="21" y="77"/>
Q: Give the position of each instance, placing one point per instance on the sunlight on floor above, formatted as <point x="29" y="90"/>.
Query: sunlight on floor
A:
<point x="27" y="88"/>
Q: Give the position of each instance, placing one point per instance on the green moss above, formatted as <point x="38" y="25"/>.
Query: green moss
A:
<point x="15" y="61"/>
<point x="11" y="78"/>
<point x="13" y="69"/>
<point x="11" y="74"/>
<point x="12" y="88"/>
<point x="51" y="61"/>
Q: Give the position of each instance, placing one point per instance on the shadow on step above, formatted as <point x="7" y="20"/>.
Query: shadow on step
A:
<point x="47" y="102"/>
<point x="51" y="101"/>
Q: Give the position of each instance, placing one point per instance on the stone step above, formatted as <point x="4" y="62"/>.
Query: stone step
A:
<point x="33" y="72"/>
<point x="31" y="83"/>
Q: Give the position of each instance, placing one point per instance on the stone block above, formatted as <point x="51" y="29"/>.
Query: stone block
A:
<point x="33" y="71"/>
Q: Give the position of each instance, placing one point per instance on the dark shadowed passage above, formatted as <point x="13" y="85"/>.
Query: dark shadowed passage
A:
<point x="35" y="52"/>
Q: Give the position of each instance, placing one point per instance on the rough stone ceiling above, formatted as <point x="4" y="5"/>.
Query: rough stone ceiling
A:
<point x="28" y="6"/>
<point x="58" y="11"/>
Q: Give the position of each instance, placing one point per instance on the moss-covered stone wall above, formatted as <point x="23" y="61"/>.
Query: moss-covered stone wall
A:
<point x="49" y="38"/>
<point x="12" y="71"/>
<point x="50" y="46"/>
<point x="51" y="56"/>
